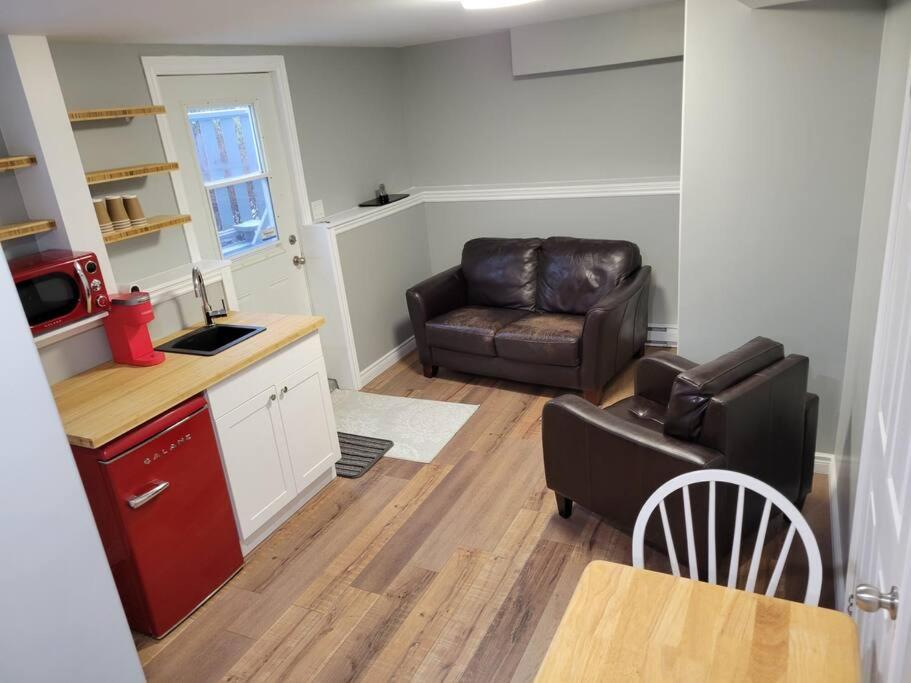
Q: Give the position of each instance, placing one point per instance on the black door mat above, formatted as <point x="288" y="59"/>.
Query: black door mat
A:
<point x="359" y="454"/>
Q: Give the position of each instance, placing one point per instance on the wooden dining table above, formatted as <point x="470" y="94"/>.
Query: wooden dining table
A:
<point x="627" y="624"/>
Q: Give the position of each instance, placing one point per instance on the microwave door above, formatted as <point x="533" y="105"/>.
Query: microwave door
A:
<point x="49" y="297"/>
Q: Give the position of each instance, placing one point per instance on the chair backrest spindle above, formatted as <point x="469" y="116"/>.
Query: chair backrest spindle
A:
<point x="798" y="526"/>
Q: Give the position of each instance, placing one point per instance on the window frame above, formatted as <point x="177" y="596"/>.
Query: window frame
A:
<point x="248" y="254"/>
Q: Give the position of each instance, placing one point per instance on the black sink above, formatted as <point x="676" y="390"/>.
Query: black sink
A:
<point x="207" y="341"/>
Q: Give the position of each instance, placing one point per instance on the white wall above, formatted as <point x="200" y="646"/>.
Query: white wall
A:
<point x="62" y="619"/>
<point x="777" y="112"/>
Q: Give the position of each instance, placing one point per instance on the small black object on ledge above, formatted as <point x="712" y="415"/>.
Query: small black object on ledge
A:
<point x="382" y="198"/>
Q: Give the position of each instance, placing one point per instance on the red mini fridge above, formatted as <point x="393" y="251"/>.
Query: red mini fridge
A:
<point x="161" y="504"/>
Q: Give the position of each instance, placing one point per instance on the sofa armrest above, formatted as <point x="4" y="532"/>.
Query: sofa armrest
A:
<point x="615" y="329"/>
<point x="434" y="296"/>
<point x="610" y="464"/>
<point x="655" y="375"/>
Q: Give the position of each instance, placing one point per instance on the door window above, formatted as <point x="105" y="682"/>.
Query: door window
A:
<point x="234" y="174"/>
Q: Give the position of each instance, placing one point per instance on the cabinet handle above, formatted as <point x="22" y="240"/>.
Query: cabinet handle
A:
<point x="284" y="390"/>
<point x="272" y="397"/>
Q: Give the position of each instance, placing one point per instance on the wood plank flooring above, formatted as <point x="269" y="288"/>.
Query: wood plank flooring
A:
<point x="456" y="570"/>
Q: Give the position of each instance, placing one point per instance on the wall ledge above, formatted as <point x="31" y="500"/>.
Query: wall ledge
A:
<point x="581" y="189"/>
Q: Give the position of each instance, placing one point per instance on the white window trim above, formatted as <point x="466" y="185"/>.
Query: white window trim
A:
<point x="274" y="65"/>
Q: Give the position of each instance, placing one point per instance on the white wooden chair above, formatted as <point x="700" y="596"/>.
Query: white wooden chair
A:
<point x="742" y="482"/>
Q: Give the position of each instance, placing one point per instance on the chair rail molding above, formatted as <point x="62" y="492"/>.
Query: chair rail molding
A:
<point x="431" y="194"/>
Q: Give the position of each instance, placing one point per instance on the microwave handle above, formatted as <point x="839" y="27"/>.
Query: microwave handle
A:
<point x="85" y="287"/>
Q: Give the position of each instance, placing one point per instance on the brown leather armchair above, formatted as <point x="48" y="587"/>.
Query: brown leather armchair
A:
<point x="747" y="411"/>
<point x="562" y="311"/>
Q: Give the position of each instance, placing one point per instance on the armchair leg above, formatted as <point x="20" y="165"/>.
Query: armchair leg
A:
<point x="594" y="396"/>
<point x="430" y="370"/>
<point x="564" y="505"/>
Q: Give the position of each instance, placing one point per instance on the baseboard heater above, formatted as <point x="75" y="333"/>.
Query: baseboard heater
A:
<point x="662" y="335"/>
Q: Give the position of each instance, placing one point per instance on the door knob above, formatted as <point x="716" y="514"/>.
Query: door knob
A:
<point x="298" y="260"/>
<point x="870" y="599"/>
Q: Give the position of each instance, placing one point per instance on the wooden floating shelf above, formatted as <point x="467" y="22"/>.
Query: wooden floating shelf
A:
<point x="14" y="230"/>
<point x="155" y="223"/>
<point x="125" y="172"/>
<point x="12" y="163"/>
<point x="114" y="113"/>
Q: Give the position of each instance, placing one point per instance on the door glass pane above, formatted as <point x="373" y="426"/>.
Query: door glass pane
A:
<point x="233" y="172"/>
<point x="226" y="143"/>
<point x="243" y="216"/>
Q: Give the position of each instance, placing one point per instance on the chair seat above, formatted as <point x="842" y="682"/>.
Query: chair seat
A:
<point x="470" y="329"/>
<point x="549" y="338"/>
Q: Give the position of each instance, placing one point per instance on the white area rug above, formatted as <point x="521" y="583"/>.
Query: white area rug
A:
<point x="418" y="428"/>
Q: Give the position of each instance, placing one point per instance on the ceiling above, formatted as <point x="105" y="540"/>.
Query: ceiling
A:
<point x="387" y="23"/>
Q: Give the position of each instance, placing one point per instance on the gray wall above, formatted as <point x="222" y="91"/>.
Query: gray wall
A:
<point x="776" y="130"/>
<point x="380" y="261"/>
<point x="347" y="105"/>
<point x="636" y="34"/>
<point x="887" y="113"/>
<point x="650" y="222"/>
<point x="469" y="121"/>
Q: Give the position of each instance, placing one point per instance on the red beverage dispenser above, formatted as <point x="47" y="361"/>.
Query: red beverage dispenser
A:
<point x="127" y="329"/>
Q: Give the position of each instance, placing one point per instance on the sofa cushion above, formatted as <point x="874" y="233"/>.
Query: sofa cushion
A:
<point x="573" y="274"/>
<point x="545" y="338"/>
<point x="501" y="272"/>
<point x="470" y="329"/>
<point x="694" y="388"/>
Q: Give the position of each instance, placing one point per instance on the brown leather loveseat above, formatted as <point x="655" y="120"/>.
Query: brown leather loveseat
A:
<point x="747" y="411"/>
<point x="561" y="311"/>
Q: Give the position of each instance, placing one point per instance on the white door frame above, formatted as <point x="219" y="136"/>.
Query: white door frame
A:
<point x="274" y="66"/>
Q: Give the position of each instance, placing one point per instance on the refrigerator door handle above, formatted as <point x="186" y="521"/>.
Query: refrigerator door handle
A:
<point x="143" y="498"/>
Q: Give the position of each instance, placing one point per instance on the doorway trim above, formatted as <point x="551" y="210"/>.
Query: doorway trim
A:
<point x="274" y="66"/>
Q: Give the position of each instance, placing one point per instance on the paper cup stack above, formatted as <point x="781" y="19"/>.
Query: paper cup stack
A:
<point x="117" y="211"/>
<point x="134" y="210"/>
<point x="104" y="218"/>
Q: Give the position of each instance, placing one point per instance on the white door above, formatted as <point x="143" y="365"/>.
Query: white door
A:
<point x="237" y="172"/>
<point x="881" y="533"/>
<point x="306" y="409"/>
<point x="256" y="460"/>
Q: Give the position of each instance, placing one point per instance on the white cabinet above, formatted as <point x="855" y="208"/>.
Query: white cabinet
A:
<point x="255" y="453"/>
<point x="309" y="426"/>
<point x="277" y="434"/>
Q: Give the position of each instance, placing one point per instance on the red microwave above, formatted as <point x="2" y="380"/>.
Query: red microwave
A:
<point x="59" y="287"/>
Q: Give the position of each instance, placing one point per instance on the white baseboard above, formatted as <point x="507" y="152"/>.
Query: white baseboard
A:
<point x="823" y="463"/>
<point x="662" y="334"/>
<point x="376" y="368"/>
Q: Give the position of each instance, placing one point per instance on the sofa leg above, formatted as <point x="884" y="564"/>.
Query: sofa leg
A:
<point x="564" y="505"/>
<point x="594" y="396"/>
<point x="430" y="370"/>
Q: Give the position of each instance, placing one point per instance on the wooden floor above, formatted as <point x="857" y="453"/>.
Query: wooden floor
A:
<point x="456" y="570"/>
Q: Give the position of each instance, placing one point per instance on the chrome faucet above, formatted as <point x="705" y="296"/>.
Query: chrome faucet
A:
<point x="199" y="289"/>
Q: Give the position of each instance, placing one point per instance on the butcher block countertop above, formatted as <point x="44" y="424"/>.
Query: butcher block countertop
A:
<point x="109" y="400"/>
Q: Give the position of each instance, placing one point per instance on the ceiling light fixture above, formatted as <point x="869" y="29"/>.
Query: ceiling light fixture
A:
<point x="493" y="4"/>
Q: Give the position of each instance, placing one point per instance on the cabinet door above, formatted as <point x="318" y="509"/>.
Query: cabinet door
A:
<point x="256" y="460"/>
<point x="309" y="423"/>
